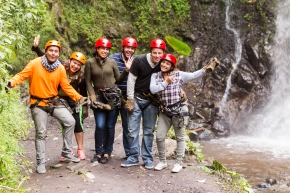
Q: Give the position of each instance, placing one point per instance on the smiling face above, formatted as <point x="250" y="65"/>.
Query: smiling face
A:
<point x="52" y="53"/>
<point x="156" y="54"/>
<point x="128" y="51"/>
<point x="103" y="52"/>
<point x="166" y="66"/>
<point x="74" y="66"/>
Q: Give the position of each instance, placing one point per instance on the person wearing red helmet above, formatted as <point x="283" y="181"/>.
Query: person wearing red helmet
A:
<point x="102" y="75"/>
<point x="45" y="75"/>
<point x="166" y="84"/>
<point x="75" y="74"/>
<point x="129" y="45"/>
<point x="139" y="105"/>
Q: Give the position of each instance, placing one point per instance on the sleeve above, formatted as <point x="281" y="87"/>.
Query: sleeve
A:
<point x="38" y="51"/>
<point x="134" y="67"/>
<point x="119" y="78"/>
<point x="21" y="76"/>
<point x="187" y="76"/>
<point x="88" y="79"/>
<point x="67" y="88"/>
<point x="131" y="85"/>
<point x="83" y="88"/>
<point x="154" y="86"/>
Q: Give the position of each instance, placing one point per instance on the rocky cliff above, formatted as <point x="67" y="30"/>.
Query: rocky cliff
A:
<point x="238" y="32"/>
<point x="223" y="100"/>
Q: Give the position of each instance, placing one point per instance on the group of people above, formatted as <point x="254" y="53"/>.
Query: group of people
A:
<point x="140" y="87"/>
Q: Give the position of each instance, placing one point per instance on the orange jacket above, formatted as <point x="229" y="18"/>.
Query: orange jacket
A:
<point x="44" y="84"/>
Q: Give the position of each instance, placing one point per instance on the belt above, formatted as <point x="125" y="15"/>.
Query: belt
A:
<point x="141" y="96"/>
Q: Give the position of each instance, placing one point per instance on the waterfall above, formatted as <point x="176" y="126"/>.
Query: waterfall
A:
<point x="274" y="120"/>
<point x="238" y="50"/>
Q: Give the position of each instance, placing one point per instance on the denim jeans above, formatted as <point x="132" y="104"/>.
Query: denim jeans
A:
<point x="124" y="118"/>
<point x="104" y="130"/>
<point x="148" y="112"/>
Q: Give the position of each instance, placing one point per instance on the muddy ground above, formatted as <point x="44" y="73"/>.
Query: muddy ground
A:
<point x="85" y="177"/>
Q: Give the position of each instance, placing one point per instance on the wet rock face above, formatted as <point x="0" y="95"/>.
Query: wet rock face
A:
<point x="209" y="37"/>
<point x="254" y="54"/>
<point x="221" y="128"/>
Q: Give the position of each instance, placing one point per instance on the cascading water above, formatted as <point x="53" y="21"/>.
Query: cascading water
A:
<point x="238" y="50"/>
<point x="274" y="121"/>
<point x="264" y="152"/>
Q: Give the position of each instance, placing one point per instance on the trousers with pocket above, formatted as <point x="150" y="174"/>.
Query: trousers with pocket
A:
<point x="179" y="124"/>
<point x="40" y="117"/>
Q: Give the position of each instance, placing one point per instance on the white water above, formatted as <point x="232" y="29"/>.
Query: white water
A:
<point x="265" y="151"/>
<point x="274" y="120"/>
<point x="238" y="50"/>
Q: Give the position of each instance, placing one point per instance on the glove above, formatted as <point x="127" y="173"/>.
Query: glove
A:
<point x="83" y="101"/>
<point x="7" y="87"/>
<point x="214" y="62"/>
<point x="85" y="112"/>
<point x="130" y="105"/>
<point x="183" y="96"/>
<point x="99" y="105"/>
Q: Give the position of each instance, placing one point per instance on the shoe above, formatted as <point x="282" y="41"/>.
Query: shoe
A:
<point x="160" y="166"/>
<point x="62" y="159"/>
<point x="97" y="158"/>
<point x="177" y="168"/>
<point x="81" y="154"/>
<point x="149" y="165"/>
<point x="104" y="160"/>
<point x="41" y="169"/>
<point x="70" y="158"/>
<point x="129" y="163"/>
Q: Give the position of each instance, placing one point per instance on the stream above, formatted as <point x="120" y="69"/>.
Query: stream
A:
<point x="255" y="159"/>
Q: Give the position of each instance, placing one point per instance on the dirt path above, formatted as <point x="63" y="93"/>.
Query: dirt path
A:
<point x="85" y="177"/>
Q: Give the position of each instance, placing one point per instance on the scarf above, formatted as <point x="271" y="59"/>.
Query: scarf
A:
<point x="48" y="65"/>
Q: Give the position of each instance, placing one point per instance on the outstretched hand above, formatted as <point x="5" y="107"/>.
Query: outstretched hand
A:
<point x="128" y="63"/>
<point x="36" y="41"/>
<point x="169" y="79"/>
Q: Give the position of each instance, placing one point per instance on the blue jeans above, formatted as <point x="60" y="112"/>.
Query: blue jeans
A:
<point x="104" y="131"/>
<point x="148" y="112"/>
<point x="124" y="118"/>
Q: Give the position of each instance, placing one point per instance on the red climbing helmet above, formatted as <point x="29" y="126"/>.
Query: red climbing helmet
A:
<point x="128" y="41"/>
<point x="158" y="43"/>
<point x="169" y="57"/>
<point x="103" y="42"/>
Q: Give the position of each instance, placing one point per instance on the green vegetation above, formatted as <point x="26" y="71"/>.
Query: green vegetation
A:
<point x="178" y="46"/>
<point x="247" y="17"/>
<point x="234" y="182"/>
<point x="14" y="123"/>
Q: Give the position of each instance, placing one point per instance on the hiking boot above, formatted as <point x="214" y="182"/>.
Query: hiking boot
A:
<point x="129" y="163"/>
<point x="149" y="165"/>
<point x="62" y="159"/>
<point x="70" y="158"/>
<point x="81" y="154"/>
<point x="177" y="168"/>
<point x="160" y="166"/>
<point x="41" y="169"/>
<point x="97" y="158"/>
<point x="104" y="160"/>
